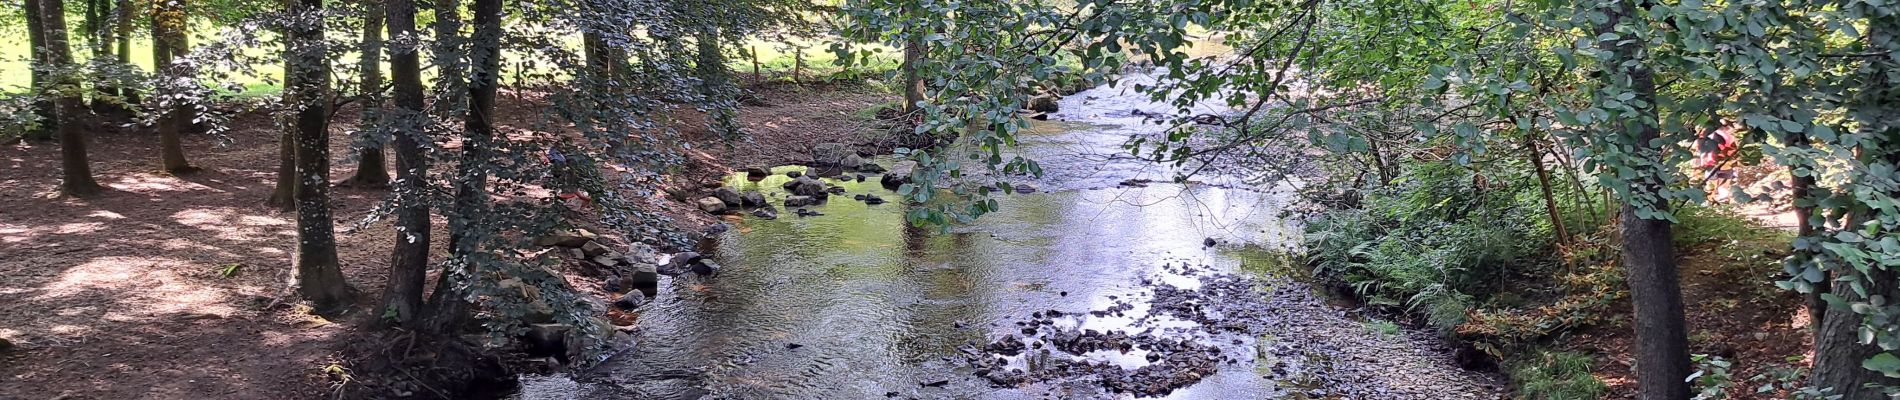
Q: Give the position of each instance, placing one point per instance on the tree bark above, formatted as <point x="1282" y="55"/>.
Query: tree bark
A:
<point x="122" y="33"/>
<point x="371" y="169"/>
<point x="409" y="263"/>
<point x="76" y="171"/>
<point x="1662" y="337"/>
<point x="1839" y="352"/>
<point x="319" y="275"/>
<point x="283" y="196"/>
<point x="1803" y="192"/>
<point x="36" y="39"/>
<point x="1543" y="182"/>
<point x="913" y="79"/>
<point x="168" y="41"/>
<point x="471" y="194"/>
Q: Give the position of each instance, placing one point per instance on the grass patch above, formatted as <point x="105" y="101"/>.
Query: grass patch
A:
<point x="1556" y="375"/>
<point x="1384" y="328"/>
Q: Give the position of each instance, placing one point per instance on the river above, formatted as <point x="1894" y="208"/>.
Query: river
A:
<point x="856" y="304"/>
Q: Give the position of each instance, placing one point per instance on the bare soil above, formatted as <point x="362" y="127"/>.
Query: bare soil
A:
<point x="172" y="287"/>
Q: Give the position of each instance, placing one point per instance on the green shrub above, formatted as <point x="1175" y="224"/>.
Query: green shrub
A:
<point x="1434" y="238"/>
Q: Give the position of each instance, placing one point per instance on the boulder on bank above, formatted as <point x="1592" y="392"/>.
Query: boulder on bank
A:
<point x="712" y="205"/>
<point x="752" y="199"/>
<point x="830" y="154"/>
<point x="1043" y="103"/>
<point x="727" y="195"/>
<point x="898" y="175"/>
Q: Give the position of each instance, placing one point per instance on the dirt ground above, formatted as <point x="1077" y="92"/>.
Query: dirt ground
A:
<point x="172" y="287"/>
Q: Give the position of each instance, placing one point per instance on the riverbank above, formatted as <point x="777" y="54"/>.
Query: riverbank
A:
<point x="172" y="286"/>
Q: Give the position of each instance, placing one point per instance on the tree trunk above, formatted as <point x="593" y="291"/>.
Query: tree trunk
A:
<point x="1839" y="351"/>
<point x="76" y="175"/>
<point x="168" y="41"/>
<point x="471" y="194"/>
<point x="283" y="197"/>
<point x="36" y="40"/>
<point x="716" y="83"/>
<point x="319" y="275"/>
<point x="122" y="33"/>
<point x="913" y="79"/>
<point x="1803" y="190"/>
<point x="1543" y="182"/>
<point x="371" y="170"/>
<point x="409" y="263"/>
<point x="1662" y="336"/>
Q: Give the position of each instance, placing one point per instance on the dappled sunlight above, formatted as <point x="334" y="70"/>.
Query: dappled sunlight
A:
<point x="234" y="224"/>
<point x="146" y="182"/>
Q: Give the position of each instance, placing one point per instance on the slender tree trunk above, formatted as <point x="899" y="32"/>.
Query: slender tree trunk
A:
<point x="168" y="41"/>
<point x="76" y="175"/>
<point x="450" y="303"/>
<point x="371" y="170"/>
<point x="1543" y="182"/>
<point x="716" y="80"/>
<point x="1662" y="336"/>
<point x="319" y="275"/>
<point x="1803" y="188"/>
<point x="409" y="263"/>
<point x="913" y="79"/>
<point x="40" y="77"/>
<point x="283" y="196"/>
<point x="122" y="33"/>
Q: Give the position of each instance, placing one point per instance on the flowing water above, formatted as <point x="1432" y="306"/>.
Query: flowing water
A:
<point x="856" y="304"/>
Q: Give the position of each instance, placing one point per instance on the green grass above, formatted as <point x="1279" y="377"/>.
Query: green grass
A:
<point x="1384" y="328"/>
<point x="1555" y="375"/>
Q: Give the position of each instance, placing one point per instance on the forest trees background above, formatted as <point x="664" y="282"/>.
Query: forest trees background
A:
<point x="1594" y="105"/>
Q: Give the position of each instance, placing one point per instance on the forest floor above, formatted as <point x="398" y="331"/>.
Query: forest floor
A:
<point x="173" y="286"/>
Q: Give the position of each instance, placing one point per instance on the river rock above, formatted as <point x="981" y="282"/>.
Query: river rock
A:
<point x="679" y="264"/>
<point x="757" y="172"/>
<point x="595" y="249"/>
<point x="851" y="161"/>
<point x="645" y="279"/>
<point x="873" y="200"/>
<point x="830" y="154"/>
<point x="712" y="205"/>
<point x="567" y="238"/>
<point x="631" y="300"/>
<point x="604" y="260"/>
<point x="765" y="213"/>
<point x="794" y="174"/>
<point x="807" y="213"/>
<point x="1024" y="188"/>
<point x="641" y="253"/>
<point x="727" y="195"/>
<point x="800" y="201"/>
<point x="1045" y="103"/>
<point x="870" y="168"/>
<point x="898" y="175"/>
<point x="752" y="199"/>
<point x="706" y="267"/>
<point x="806" y="186"/>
